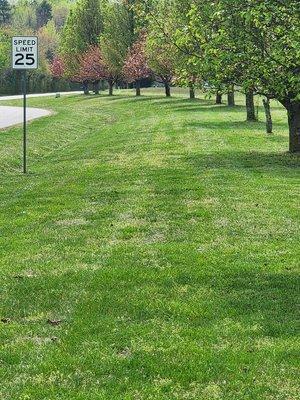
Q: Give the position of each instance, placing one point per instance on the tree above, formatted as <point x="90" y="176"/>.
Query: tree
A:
<point x="92" y="68"/>
<point x="83" y="27"/>
<point x="260" y="42"/>
<point x="269" y="122"/>
<point x="186" y="75"/>
<point x="230" y="96"/>
<point x="48" y="45"/>
<point x="57" y="67"/>
<point x="253" y="44"/>
<point x="273" y="60"/>
<point x="43" y="13"/>
<point x="60" y="13"/>
<point x="5" y="12"/>
<point x="161" y="58"/>
<point x="136" y="68"/>
<point x="57" y="70"/>
<point x="167" y="53"/>
<point x="115" y="41"/>
<point x="24" y="17"/>
<point x="4" y="49"/>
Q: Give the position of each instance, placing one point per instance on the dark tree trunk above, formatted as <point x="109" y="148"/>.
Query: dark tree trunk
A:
<point x="293" y="110"/>
<point x="219" y="98"/>
<point x="230" y="97"/>
<point x="167" y="89"/>
<point x="110" y="88"/>
<point x="269" y="122"/>
<point x="138" y="88"/>
<point x="54" y="84"/>
<point x="85" y="86"/>
<point x="250" y="106"/>
<point x="96" y="87"/>
<point x="192" y="93"/>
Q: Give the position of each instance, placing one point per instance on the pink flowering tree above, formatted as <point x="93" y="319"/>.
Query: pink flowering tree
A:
<point x="136" y="67"/>
<point x="92" y="69"/>
<point x="57" y="70"/>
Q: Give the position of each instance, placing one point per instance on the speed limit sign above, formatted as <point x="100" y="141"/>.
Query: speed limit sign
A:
<point x="25" y="52"/>
<point x="24" y="57"/>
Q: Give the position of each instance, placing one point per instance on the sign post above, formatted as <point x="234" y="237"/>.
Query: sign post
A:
<point x="24" y="57"/>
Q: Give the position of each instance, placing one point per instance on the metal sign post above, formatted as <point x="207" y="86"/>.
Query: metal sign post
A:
<point x="24" y="57"/>
<point x="24" y="84"/>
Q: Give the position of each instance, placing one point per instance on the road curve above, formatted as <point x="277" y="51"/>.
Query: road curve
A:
<point x="10" y="116"/>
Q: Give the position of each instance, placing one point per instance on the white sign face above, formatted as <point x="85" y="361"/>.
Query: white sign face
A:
<point x="25" y="52"/>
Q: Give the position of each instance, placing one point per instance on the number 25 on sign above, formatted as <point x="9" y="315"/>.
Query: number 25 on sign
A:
<point x="24" y="57"/>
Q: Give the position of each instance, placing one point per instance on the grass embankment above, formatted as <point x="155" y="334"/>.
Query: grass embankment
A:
<point x="164" y="234"/>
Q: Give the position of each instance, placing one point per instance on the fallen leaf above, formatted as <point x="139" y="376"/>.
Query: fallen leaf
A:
<point x="125" y="353"/>
<point x="26" y="274"/>
<point x="54" y="322"/>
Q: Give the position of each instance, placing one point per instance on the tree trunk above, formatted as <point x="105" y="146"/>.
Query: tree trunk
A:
<point x="192" y="93"/>
<point x="269" y="122"/>
<point x="96" y="87"/>
<point x="54" y="84"/>
<point x="138" y="88"/>
<point x="293" y="110"/>
<point x="110" y="88"/>
<point x="219" y="98"/>
<point x="85" y="86"/>
<point x="230" y="97"/>
<point x="167" y="89"/>
<point x="250" y="106"/>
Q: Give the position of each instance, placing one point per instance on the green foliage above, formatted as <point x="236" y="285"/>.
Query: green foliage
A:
<point x="116" y="38"/>
<point x="48" y="45"/>
<point x="254" y="44"/>
<point x="24" y="17"/>
<point x="60" y="13"/>
<point x="161" y="56"/>
<point x="5" y="12"/>
<point x="82" y="29"/>
<point x="5" y="45"/>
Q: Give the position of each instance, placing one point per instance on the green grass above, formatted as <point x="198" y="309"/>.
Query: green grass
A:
<point x="165" y="236"/>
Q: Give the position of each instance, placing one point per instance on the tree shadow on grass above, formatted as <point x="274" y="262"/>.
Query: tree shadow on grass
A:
<point x="267" y="298"/>
<point x="211" y="107"/>
<point x="102" y="96"/>
<point x="284" y="164"/>
<point x="228" y="124"/>
<point x="184" y="103"/>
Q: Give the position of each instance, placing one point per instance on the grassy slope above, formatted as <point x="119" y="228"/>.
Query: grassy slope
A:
<point x="165" y="235"/>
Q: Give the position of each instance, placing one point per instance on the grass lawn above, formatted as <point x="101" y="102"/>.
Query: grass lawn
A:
<point x="160" y="238"/>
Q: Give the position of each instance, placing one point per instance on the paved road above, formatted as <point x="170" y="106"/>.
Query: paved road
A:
<point x="10" y="116"/>
<point x="17" y="97"/>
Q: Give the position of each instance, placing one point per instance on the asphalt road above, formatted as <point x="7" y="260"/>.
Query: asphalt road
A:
<point x="10" y="116"/>
<point x="17" y="97"/>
